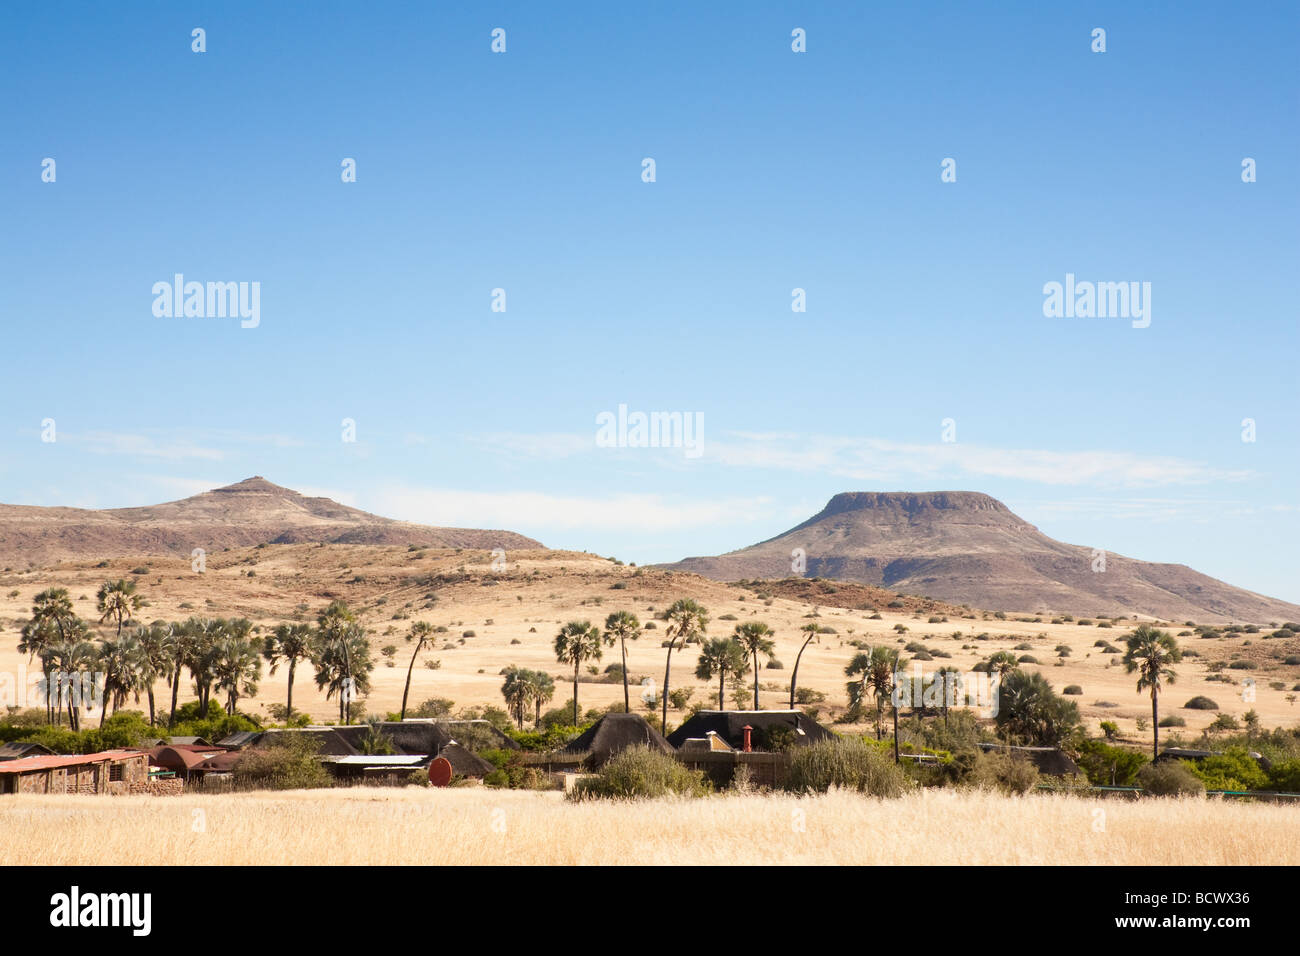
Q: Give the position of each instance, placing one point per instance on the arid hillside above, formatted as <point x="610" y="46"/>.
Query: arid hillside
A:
<point x="967" y="548"/>
<point x="489" y="619"/>
<point x="250" y="512"/>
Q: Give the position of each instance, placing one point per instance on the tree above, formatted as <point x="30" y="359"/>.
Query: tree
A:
<point x="577" y="642"/>
<point x="1003" y="663"/>
<point x="874" y="669"/>
<point x="517" y="692"/>
<point x="687" y="621"/>
<point x="813" y="631"/>
<point x="721" y="657"/>
<point x="156" y="651"/>
<point x="71" y="657"/>
<point x="421" y="633"/>
<point x="1030" y="711"/>
<point x="237" y="668"/>
<point x="542" y="689"/>
<point x="120" y="660"/>
<point x="340" y="638"/>
<point x="1150" y="652"/>
<point x="756" y="638"/>
<point x="289" y="643"/>
<point x="117" y="601"/>
<point x="622" y="626"/>
<point x="343" y="664"/>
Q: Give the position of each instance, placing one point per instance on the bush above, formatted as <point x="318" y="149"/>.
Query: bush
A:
<point x="1285" y="776"/>
<point x="1234" y="769"/>
<point x="1200" y="703"/>
<point x="849" y="763"/>
<point x="1173" y="720"/>
<point x="641" y="773"/>
<point x="1170" y="779"/>
<point x="287" y="764"/>
<point x="1108" y="766"/>
<point x="1074" y="690"/>
<point x="1004" y="773"/>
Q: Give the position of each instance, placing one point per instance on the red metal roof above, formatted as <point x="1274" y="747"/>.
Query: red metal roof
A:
<point x="28" y="764"/>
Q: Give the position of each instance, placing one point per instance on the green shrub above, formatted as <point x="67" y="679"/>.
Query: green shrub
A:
<point x="1235" y="769"/>
<point x="1173" y="720"/>
<point x="641" y="773"/>
<point x="1004" y="773"/>
<point x="1170" y="778"/>
<point x="287" y="764"/>
<point x="1074" y="690"/>
<point x="850" y="763"/>
<point x="1285" y="776"/>
<point x="1107" y="766"/>
<point x="1200" y="703"/>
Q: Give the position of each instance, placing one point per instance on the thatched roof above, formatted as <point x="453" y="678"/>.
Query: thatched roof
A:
<point x="243" y="738"/>
<point x="1049" y="760"/>
<point x="16" y="750"/>
<point x="730" y="726"/>
<point x="430" y="736"/>
<point x="616" y="732"/>
<point x="464" y="763"/>
<point x="328" y="740"/>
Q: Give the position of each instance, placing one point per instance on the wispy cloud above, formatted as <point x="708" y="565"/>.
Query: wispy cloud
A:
<point x="144" y="446"/>
<point x="538" y="512"/>
<point x="881" y="461"/>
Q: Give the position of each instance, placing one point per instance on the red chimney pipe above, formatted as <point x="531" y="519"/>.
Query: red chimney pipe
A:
<point x="748" y="730"/>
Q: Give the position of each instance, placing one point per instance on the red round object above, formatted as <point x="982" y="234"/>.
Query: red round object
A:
<point x="440" y="772"/>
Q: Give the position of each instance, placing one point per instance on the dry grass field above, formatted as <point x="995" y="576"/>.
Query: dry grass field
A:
<point x="478" y="826"/>
<point x="514" y="615"/>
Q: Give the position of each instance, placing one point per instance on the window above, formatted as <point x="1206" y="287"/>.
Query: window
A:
<point x="115" y="771"/>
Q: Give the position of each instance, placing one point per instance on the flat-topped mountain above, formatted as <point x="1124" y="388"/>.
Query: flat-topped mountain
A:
<point x="968" y="548"/>
<point x="253" y="511"/>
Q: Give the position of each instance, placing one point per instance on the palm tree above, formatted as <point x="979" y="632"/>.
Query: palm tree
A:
<point x="875" y="672"/>
<point x="121" y="661"/>
<point x="117" y="601"/>
<point x="687" y="621"/>
<point x="201" y="655"/>
<point x="37" y="637"/>
<point x="237" y="668"/>
<point x="949" y="680"/>
<point x="52" y="619"/>
<point x="620" y="626"/>
<point x="422" y="633"/>
<point x="288" y="643"/>
<point x="343" y="664"/>
<point x="156" y="650"/>
<point x="577" y="641"/>
<point x="71" y="657"/>
<point x="756" y="638"/>
<point x="185" y="643"/>
<point x="812" y="630"/>
<point x="720" y="657"/>
<point x="541" y="688"/>
<point x="333" y="625"/>
<point x="517" y="691"/>
<point x="1150" y="652"/>
<point x="1002" y="663"/>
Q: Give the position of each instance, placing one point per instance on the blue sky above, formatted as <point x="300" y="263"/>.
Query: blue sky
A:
<point x="774" y="170"/>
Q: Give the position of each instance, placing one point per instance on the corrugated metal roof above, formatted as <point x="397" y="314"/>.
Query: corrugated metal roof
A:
<point x="378" y="760"/>
<point x="28" y="764"/>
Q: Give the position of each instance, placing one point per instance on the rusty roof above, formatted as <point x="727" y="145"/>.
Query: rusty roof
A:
<point x="28" y="764"/>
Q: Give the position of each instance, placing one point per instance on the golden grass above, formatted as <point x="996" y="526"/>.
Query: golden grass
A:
<point x="477" y="826"/>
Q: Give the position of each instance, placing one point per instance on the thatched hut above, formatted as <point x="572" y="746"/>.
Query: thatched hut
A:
<point x="768" y="728"/>
<point x="1050" y="761"/>
<point x="614" y="733"/>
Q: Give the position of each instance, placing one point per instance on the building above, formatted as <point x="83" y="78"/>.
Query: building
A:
<point x="614" y="733"/>
<point x="111" y="771"/>
<point x="17" y="750"/>
<point x="769" y="729"/>
<point x="1050" y="761"/>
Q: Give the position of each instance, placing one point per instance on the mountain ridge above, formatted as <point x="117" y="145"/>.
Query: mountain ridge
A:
<point x="967" y="547"/>
<point x="249" y="512"/>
